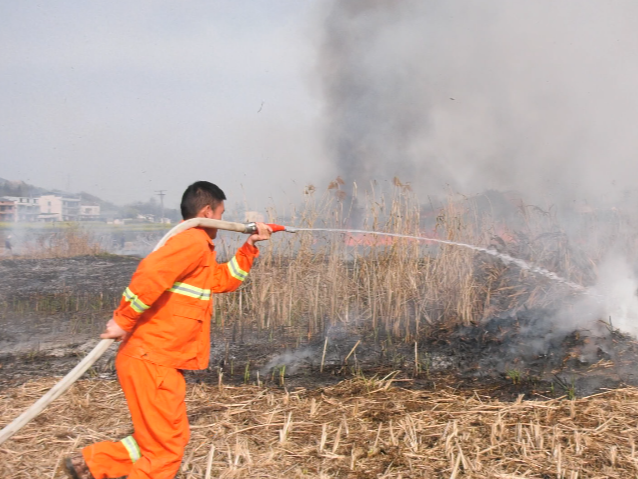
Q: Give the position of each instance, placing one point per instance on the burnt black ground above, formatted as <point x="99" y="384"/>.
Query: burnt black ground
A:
<point x="94" y="274"/>
<point x="48" y="303"/>
<point x="523" y="353"/>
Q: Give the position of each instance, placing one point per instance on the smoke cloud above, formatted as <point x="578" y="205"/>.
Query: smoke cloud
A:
<point x="617" y="289"/>
<point x="534" y="96"/>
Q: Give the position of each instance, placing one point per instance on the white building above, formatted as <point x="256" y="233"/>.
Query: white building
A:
<point x="89" y="212"/>
<point x="59" y="208"/>
<point x="26" y="209"/>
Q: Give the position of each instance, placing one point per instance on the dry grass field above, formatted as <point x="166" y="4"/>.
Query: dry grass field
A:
<point x="360" y="428"/>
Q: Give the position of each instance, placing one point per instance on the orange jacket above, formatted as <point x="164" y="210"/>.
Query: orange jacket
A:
<point x="168" y="304"/>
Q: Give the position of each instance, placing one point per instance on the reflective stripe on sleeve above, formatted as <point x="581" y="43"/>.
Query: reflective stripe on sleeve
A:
<point x="133" y="449"/>
<point x="191" y="291"/>
<point x="235" y="271"/>
<point x="136" y="304"/>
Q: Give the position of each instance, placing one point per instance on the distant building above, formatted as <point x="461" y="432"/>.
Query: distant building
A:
<point x="27" y="209"/>
<point x="145" y="218"/>
<point x="59" y="208"/>
<point x="7" y="210"/>
<point x="89" y="212"/>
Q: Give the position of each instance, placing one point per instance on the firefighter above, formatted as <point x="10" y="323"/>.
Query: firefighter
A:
<point x="163" y="322"/>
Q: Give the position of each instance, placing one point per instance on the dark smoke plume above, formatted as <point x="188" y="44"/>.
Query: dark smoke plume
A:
<point x="373" y="119"/>
<point x="536" y="96"/>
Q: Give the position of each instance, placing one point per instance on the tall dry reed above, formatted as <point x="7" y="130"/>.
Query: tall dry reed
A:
<point x="306" y="282"/>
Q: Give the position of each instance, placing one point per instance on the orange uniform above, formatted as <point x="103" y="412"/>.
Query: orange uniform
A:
<point x="167" y="309"/>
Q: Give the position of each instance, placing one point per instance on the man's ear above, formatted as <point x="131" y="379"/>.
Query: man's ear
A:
<point x="205" y="212"/>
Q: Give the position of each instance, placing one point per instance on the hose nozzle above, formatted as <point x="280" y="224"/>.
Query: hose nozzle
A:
<point x="251" y="228"/>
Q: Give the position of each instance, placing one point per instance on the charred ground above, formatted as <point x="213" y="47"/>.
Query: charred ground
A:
<point x="51" y="311"/>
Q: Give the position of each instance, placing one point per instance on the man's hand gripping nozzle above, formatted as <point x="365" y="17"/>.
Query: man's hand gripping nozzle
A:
<point x="251" y="228"/>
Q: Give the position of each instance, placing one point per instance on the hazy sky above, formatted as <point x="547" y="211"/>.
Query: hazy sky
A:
<point x="262" y="97"/>
<point x="124" y="98"/>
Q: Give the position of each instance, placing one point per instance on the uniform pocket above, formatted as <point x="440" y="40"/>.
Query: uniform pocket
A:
<point x="185" y="328"/>
<point x="190" y="311"/>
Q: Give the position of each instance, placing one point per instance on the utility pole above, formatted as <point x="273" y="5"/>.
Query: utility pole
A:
<point x="161" y="194"/>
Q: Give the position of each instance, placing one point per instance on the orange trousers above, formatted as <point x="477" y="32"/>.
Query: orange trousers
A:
<point x="155" y="396"/>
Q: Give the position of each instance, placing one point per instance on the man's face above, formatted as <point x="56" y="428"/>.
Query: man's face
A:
<point x="215" y="214"/>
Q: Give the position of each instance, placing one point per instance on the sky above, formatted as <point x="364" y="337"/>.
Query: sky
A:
<point x="122" y="99"/>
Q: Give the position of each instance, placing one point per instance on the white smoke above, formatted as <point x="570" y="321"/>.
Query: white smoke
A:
<point x="618" y="287"/>
<point x="290" y="360"/>
<point x="612" y="300"/>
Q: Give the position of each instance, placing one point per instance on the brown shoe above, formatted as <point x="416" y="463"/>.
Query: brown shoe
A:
<point x="76" y="468"/>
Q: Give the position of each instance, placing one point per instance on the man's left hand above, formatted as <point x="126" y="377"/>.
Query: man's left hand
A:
<point x="114" y="331"/>
<point x="263" y="233"/>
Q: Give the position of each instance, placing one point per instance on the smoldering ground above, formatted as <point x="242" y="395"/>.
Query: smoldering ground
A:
<point x="48" y="323"/>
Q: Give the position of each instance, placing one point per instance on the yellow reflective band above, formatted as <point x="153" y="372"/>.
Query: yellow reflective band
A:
<point x="191" y="291"/>
<point x="235" y="271"/>
<point x="136" y="304"/>
<point x="133" y="449"/>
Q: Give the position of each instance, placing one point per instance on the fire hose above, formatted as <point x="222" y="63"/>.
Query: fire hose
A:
<point x="67" y="381"/>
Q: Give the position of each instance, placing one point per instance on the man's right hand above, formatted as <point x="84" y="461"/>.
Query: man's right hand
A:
<point x="263" y="233"/>
<point x="113" y="331"/>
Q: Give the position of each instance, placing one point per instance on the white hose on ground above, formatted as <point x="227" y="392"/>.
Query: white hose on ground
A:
<point x="56" y="391"/>
<point x="67" y="381"/>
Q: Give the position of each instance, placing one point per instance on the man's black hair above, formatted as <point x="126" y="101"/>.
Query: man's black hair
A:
<point x="198" y="195"/>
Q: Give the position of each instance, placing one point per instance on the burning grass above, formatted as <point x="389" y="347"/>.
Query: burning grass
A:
<point x="358" y="428"/>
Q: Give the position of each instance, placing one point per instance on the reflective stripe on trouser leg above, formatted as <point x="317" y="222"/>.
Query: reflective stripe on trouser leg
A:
<point x="155" y="396"/>
<point x="133" y="449"/>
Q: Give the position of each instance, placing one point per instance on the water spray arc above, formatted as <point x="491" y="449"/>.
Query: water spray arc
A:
<point x="505" y="258"/>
